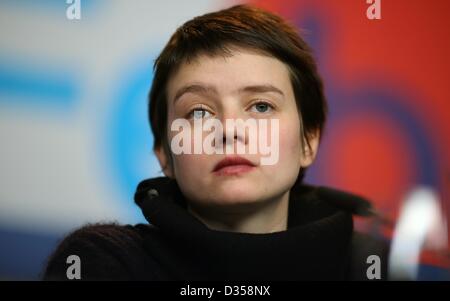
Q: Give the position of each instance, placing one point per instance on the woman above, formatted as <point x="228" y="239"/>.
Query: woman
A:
<point x="219" y="213"/>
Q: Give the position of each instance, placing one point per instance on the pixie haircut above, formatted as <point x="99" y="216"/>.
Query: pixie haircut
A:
<point x="242" y="26"/>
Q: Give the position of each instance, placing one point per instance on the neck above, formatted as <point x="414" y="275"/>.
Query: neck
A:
<point x="265" y="217"/>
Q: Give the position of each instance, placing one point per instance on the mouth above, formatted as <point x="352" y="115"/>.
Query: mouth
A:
<point x="233" y="166"/>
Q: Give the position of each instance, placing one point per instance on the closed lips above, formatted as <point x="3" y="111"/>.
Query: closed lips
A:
<point x="230" y="161"/>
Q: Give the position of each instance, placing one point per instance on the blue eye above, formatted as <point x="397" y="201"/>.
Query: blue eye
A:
<point x="261" y="107"/>
<point x="199" y="113"/>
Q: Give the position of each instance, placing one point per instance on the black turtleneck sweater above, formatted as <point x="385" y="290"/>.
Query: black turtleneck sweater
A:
<point x="319" y="244"/>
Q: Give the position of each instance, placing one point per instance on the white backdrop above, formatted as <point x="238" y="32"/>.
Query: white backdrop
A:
<point x="74" y="134"/>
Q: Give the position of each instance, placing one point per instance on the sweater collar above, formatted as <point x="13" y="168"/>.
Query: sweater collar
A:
<point x="314" y="246"/>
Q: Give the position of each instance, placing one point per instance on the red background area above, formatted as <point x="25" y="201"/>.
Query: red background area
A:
<point x="406" y="53"/>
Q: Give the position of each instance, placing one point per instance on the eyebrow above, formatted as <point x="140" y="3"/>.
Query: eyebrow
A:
<point x="206" y="89"/>
<point x="261" y="89"/>
<point x="196" y="89"/>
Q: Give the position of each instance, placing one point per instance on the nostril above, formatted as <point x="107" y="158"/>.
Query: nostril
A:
<point x="235" y="138"/>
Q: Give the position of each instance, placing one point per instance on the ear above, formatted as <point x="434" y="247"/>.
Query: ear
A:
<point x="310" y="151"/>
<point x="164" y="161"/>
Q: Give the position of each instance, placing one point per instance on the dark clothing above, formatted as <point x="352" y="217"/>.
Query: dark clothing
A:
<point x="319" y="243"/>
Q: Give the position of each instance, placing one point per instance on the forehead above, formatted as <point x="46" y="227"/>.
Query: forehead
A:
<point x="229" y="73"/>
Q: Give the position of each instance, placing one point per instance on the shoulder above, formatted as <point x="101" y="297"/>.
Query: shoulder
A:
<point x="105" y="251"/>
<point x="365" y="250"/>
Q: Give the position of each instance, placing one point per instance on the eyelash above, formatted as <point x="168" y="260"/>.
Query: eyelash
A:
<point x="260" y="101"/>
<point x="190" y="114"/>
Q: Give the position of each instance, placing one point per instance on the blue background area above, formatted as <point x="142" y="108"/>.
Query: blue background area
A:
<point x="129" y="135"/>
<point x="30" y="84"/>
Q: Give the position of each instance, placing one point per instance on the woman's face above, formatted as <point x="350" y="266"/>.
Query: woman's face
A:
<point x="246" y="85"/>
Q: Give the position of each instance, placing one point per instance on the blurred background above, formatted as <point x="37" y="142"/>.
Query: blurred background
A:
<point x="74" y="136"/>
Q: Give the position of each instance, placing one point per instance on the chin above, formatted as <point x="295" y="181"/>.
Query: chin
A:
<point x="229" y="195"/>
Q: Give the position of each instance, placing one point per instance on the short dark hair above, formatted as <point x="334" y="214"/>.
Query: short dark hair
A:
<point x="246" y="27"/>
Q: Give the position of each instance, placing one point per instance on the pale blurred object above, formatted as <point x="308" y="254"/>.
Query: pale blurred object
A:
<point x="420" y="226"/>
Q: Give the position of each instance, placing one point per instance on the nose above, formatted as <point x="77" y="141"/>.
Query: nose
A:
<point x="232" y="132"/>
<point x="232" y="135"/>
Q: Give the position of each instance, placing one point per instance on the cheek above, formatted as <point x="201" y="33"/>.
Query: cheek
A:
<point x="290" y="142"/>
<point x="189" y="165"/>
<point x="192" y="172"/>
<point x="289" y="161"/>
